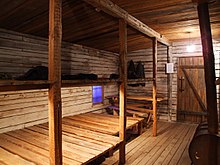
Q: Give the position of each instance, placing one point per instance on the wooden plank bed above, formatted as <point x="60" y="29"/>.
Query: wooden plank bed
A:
<point x="103" y="123"/>
<point x="85" y="138"/>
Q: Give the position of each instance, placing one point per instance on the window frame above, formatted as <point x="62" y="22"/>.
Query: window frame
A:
<point x="102" y="102"/>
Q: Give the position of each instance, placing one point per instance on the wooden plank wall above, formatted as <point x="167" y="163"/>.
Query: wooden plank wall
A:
<point x="178" y="49"/>
<point x="146" y="57"/>
<point x="20" y="52"/>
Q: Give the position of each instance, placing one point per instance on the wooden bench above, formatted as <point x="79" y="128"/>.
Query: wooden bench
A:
<point x="129" y="111"/>
<point x="136" y="110"/>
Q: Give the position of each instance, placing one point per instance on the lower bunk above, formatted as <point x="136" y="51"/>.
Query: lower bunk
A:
<point x="86" y="137"/>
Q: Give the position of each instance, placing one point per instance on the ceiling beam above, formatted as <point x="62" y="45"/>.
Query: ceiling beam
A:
<point x="203" y="1"/>
<point x="115" y="11"/>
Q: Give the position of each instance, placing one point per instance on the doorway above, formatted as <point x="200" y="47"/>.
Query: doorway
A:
<point x="191" y="102"/>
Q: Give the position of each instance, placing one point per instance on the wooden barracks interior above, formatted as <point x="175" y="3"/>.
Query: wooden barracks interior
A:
<point x="109" y="82"/>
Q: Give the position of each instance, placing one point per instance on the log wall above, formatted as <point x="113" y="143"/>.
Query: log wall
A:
<point x="20" y="52"/>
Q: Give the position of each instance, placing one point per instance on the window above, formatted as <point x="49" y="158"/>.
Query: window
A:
<point x="97" y="94"/>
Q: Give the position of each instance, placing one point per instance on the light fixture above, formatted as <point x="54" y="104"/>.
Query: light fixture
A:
<point x="190" y="47"/>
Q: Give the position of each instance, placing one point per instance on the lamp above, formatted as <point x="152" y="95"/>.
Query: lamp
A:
<point x="190" y="47"/>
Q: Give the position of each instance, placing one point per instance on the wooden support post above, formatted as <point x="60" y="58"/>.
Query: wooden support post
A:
<point x="154" y="87"/>
<point x="123" y="88"/>
<point x="169" y="84"/>
<point x="209" y="66"/>
<point x="54" y="65"/>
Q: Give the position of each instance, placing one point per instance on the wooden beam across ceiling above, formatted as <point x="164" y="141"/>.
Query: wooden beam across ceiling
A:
<point x="114" y="10"/>
<point x="203" y="1"/>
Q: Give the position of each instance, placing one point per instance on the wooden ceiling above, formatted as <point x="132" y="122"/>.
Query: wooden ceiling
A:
<point x="90" y="26"/>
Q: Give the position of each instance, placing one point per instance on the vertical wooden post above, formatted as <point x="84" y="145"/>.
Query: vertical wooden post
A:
<point x="54" y="65"/>
<point x="123" y="87"/>
<point x="209" y="65"/>
<point x="154" y="87"/>
<point x="169" y="84"/>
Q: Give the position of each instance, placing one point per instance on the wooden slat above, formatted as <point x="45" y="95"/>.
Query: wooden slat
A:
<point x="112" y="117"/>
<point x="75" y="83"/>
<point x="141" y="104"/>
<point x="29" y="86"/>
<point x="145" y="98"/>
<point x="140" y="109"/>
<point x="54" y="69"/>
<point x="133" y="112"/>
<point x="20" y="82"/>
<point x="142" y="80"/>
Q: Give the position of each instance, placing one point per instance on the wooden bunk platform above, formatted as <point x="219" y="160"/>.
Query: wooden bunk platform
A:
<point x="85" y="138"/>
<point x="103" y="123"/>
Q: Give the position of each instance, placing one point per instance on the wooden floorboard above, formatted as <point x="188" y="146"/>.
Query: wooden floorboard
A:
<point x="170" y="147"/>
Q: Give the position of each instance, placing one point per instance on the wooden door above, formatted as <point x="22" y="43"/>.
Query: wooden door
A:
<point x="191" y="104"/>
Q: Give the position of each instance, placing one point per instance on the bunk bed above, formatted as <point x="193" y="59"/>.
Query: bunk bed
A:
<point x="86" y="137"/>
<point x="62" y="141"/>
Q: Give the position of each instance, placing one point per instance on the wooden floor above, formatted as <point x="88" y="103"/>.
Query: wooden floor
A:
<point x="170" y="147"/>
<point x="85" y="138"/>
